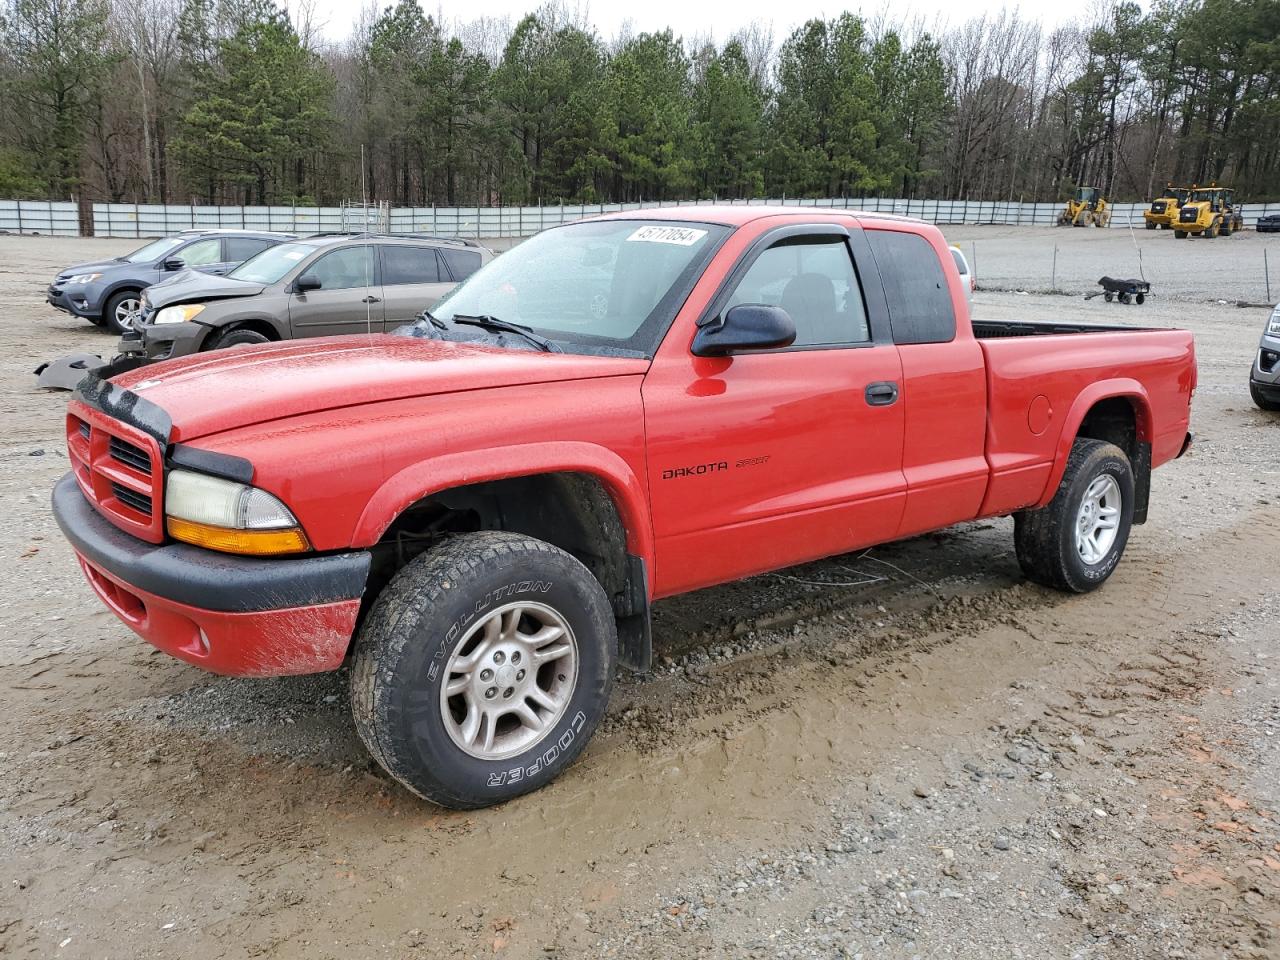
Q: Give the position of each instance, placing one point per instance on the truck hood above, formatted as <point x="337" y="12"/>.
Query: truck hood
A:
<point x="192" y="286"/>
<point x="227" y="389"/>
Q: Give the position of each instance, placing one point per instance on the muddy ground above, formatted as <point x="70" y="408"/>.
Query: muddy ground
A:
<point x="903" y="753"/>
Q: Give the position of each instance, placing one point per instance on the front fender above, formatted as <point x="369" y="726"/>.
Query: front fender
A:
<point x="420" y="480"/>
<point x="1101" y="390"/>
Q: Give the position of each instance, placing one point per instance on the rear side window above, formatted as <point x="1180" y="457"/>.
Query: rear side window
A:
<point x="916" y="288"/>
<point x="201" y="253"/>
<point x="240" y="249"/>
<point x="462" y="263"/>
<point x="410" y="265"/>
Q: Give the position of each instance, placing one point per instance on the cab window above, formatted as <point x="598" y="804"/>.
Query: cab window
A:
<point x="812" y="278"/>
<point x="201" y="253"/>
<point x="344" y="269"/>
<point x="915" y="287"/>
<point x="405" y="264"/>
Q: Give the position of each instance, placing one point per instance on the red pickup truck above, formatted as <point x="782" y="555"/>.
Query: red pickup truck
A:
<point x="478" y="511"/>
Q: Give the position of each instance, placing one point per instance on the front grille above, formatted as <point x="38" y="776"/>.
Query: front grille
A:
<point x="1189" y="216"/>
<point x="1157" y="207"/>
<point x="118" y="469"/>
<point x="131" y="498"/>
<point x="134" y="456"/>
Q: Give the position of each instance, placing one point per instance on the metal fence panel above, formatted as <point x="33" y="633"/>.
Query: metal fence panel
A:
<point x="61" y="218"/>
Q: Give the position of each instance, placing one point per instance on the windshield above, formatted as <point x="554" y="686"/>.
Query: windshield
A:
<point x="608" y="282"/>
<point x="1203" y="196"/>
<point x="273" y="263"/>
<point x="155" y="249"/>
<point x="1179" y="195"/>
<point x="1086" y="194"/>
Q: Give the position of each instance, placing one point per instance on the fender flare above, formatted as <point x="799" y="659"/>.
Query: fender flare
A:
<point x="437" y="474"/>
<point x="1124" y="387"/>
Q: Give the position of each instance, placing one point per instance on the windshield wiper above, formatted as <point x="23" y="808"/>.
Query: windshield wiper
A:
<point x="488" y="322"/>
<point x="432" y="319"/>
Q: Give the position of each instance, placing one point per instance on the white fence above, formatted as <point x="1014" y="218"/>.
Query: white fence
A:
<point x="149" y="220"/>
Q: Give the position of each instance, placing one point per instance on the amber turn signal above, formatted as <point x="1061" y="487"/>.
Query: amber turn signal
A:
<point x="252" y="542"/>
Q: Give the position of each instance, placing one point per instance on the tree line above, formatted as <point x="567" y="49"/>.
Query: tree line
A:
<point x="234" y="101"/>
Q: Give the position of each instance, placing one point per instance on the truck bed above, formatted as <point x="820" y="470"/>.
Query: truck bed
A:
<point x="999" y="329"/>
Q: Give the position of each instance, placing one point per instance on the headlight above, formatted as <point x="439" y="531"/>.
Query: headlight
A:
<point x="178" y="314"/>
<point x="84" y="278"/>
<point x="1273" y="325"/>
<point x="228" y="516"/>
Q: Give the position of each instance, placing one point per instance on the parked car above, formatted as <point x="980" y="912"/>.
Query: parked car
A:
<point x="763" y="387"/>
<point x="966" y="275"/>
<point x="108" y="292"/>
<point x="1264" y="378"/>
<point x="1269" y="224"/>
<point x="320" y="286"/>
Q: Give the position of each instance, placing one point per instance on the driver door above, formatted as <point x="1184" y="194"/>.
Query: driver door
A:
<point x="349" y="299"/>
<point x="764" y="459"/>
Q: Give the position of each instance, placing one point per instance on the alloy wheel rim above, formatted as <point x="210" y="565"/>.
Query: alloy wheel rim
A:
<point x="1098" y="519"/>
<point x="127" y="312"/>
<point x="509" y="680"/>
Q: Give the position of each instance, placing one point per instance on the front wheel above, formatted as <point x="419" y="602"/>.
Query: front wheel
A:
<point x="123" y="311"/>
<point x="484" y="668"/>
<point x="238" y="337"/>
<point x="1075" y="542"/>
<point x="1179" y="234"/>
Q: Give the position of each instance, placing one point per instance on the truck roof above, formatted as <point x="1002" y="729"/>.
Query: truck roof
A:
<point x="737" y="215"/>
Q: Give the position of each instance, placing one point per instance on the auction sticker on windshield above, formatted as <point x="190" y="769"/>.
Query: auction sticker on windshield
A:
<point x="680" y="236"/>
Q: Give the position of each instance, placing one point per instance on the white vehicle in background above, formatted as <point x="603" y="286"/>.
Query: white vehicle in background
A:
<point x="966" y="275"/>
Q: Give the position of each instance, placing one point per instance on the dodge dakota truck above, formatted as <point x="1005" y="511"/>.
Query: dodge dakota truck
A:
<point x="476" y="511"/>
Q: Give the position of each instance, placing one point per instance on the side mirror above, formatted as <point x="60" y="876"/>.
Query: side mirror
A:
<point x="748" y="326"/>
<point x="173" y="263"/>
<point x="308" y="281"/>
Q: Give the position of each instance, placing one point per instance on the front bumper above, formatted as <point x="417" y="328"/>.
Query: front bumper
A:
<point x="240" y="616"/>
<point x="1266" y="365"/>
<point x="167" y="340"/>
<point x="82" y="301"/>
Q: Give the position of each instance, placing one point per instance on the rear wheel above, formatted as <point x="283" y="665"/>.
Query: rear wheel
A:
<point x="122" y="311"/>
<point x="238" y="337"/>
<point x="484" y="668"/>
<point x="1075" y="542"/>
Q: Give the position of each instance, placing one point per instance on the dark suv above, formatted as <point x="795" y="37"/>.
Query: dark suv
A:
<point x="319" y="286"/>
<point x="109" y="292"/>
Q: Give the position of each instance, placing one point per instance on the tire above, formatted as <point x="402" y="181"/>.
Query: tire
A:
<point x="433" y="615"/>
<point x="1045" y="539"/>
<point x="121" y="310"/>
<point x="237" y="337"/>
<point x="1260" y="401"/>
<point x="1226" y="228"/>
<point x="1150" y="225"/>
<point x="1213" y="231"/>
<point x="1180" y="234"/>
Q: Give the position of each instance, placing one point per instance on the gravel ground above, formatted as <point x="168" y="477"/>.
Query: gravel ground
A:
<point x="941" y="762"/>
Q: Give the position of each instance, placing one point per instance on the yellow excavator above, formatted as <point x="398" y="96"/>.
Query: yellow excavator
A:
<point x="1087" y="207"/>
<point x="1163" y="212"/>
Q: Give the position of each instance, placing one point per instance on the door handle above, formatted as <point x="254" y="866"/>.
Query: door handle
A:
<point x="882" y="393"/>
<point x="371" y="300"/>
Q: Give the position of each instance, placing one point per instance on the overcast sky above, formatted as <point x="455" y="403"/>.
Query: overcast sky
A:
<point x="693" y="19"/>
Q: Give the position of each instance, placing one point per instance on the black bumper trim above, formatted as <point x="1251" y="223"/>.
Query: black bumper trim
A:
<point x="203" y="578"/>
<point x="1269" y="391"/>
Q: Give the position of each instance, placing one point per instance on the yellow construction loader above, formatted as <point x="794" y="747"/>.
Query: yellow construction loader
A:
<point x="1163" y="213"/>
<point x="1086" y="207"/>
<point x="1209" y="212"/>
